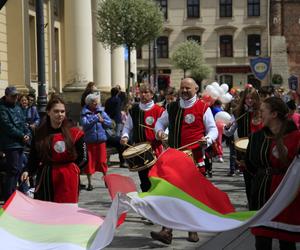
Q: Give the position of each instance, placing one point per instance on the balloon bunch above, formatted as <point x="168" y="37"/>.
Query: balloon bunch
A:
<point x="215" y="91"/>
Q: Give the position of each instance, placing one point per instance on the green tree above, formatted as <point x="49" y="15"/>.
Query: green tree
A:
<point x="132" y="23"/>
<point x="200" y="73"/>
<point x="187" y="56"/>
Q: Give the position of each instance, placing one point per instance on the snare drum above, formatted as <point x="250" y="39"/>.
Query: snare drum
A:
<point x="241" y="144"/>
<point x="139" y="157"/>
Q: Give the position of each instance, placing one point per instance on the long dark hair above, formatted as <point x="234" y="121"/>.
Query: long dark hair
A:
<point x="276" y="104"/>
<point x="44" y="137"/>
<point x="240" y="109"/>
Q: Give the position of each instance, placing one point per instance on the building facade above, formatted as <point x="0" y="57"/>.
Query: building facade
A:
<point x="73" y="56"/>
<point x="230" y="32"/>
<point x="285" y="35"/>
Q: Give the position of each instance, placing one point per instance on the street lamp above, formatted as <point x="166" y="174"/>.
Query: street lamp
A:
<point x="42" y="97"/>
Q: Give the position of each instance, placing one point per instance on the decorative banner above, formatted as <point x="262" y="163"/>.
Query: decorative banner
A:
<point x="293" y="82"/>
<point x="260" y="66"/>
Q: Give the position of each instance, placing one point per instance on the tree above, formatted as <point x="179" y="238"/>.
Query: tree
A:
<point x="187" y="56"/>
<point x="200" y="73"/>
<point x="132" y="23"/>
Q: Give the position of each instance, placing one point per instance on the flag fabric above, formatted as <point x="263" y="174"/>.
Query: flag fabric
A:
<point x="179" y="198"/>
<point x="27" y="224"/>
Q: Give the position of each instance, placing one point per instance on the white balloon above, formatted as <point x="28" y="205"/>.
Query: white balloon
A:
<point x="214" y="93"/>
<point x="226" y="98"/>
<point x="223" y="116"/>
<point x="220" y="90"/>
<point x="225" y="87"/>
<point x="215" y="84"/>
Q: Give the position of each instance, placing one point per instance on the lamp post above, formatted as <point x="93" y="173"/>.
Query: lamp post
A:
<point x="42" y="97"/>
<point x="155" y="65"/>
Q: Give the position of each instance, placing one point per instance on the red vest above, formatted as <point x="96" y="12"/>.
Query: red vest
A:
<point x="192" y="127"/>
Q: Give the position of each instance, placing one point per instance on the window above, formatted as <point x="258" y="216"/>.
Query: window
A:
<point x="193" y="9"/>
<point x="254" y="45"/>
<point x="194" y="38"/>
<point x="139" y="53"/>
<point x="253" y="7"/>
<point x="225" y="8"/>
<point x="228" y="79"/>
<point x="162" y="47"/>
<point x="164" y="7"/>
<point x="226" y="46"/>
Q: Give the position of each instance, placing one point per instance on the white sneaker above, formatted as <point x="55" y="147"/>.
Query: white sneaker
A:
<point x="221" y="159"/>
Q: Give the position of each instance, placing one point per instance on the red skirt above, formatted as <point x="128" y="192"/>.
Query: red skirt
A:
<point x="97" y="158"/>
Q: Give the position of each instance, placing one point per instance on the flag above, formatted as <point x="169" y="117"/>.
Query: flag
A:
<point x="27" y="224"/>
<point x="181" y="198"/>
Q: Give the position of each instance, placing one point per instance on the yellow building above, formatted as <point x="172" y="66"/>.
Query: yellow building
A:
<point x="231" y="32"/>
<point x="73" y="57"/>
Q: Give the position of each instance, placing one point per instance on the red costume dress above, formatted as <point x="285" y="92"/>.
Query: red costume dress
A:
<point x="58" y="179"/>
<point x="268" y="170"/>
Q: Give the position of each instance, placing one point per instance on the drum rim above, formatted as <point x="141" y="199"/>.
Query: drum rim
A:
<point x="148" y="165"/>
<point x="239" y="148"/>
<point x="137" y="153"/>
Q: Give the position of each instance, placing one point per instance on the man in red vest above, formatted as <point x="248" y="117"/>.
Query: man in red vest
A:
<point x="188" y="120"/>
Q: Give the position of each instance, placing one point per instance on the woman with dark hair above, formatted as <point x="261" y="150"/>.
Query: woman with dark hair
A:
<point x="246" y="121"/>
<point x="89" y="89"/>
<point x="58" y="152"/>
<point x="270" y="152"/>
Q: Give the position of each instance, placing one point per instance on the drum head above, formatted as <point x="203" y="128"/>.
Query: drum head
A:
<point x="136" y="149"/>
<point x="241" y="144"/>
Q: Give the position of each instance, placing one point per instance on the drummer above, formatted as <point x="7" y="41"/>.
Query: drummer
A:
<point x="195" y="122"/>
<point x="140" y="124"/>
<point x="246" y="120"/>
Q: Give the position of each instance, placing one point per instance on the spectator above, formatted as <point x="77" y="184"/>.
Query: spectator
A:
<point x="33" y="117"/>
<point x="113" y="107"/>
<point x="57" y="154"/>
<point x="90" y="88"/>
<point x="94" y="121"/>
<point x="13" y="136"/>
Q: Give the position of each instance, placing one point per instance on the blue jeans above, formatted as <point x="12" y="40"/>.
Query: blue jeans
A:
<point x="14" y="166"/>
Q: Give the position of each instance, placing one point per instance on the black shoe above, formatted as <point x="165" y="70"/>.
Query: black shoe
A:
<point x="82" y="186"/>
<point x="90" y="187"/>
<point x="164" y="236"/>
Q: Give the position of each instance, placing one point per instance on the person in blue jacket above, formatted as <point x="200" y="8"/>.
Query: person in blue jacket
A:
<point x="94" y="121"/>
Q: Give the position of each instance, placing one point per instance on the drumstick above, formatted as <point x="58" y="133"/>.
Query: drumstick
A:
<point x="192" y="143"/>
<point x="146" y="126"/>
<point x="240" y="116"/>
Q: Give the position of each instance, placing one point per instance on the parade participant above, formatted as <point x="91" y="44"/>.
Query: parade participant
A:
<point x="246" y="120"/>
<point x="269" y="153"/>
<point x="94" y="120"/>
<point x="188" y="120"/>
<point x="140" y="123"/>
<point x="295" y="116"/>
<point x="14" y="134"/>
<point x="58" y="152"/>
